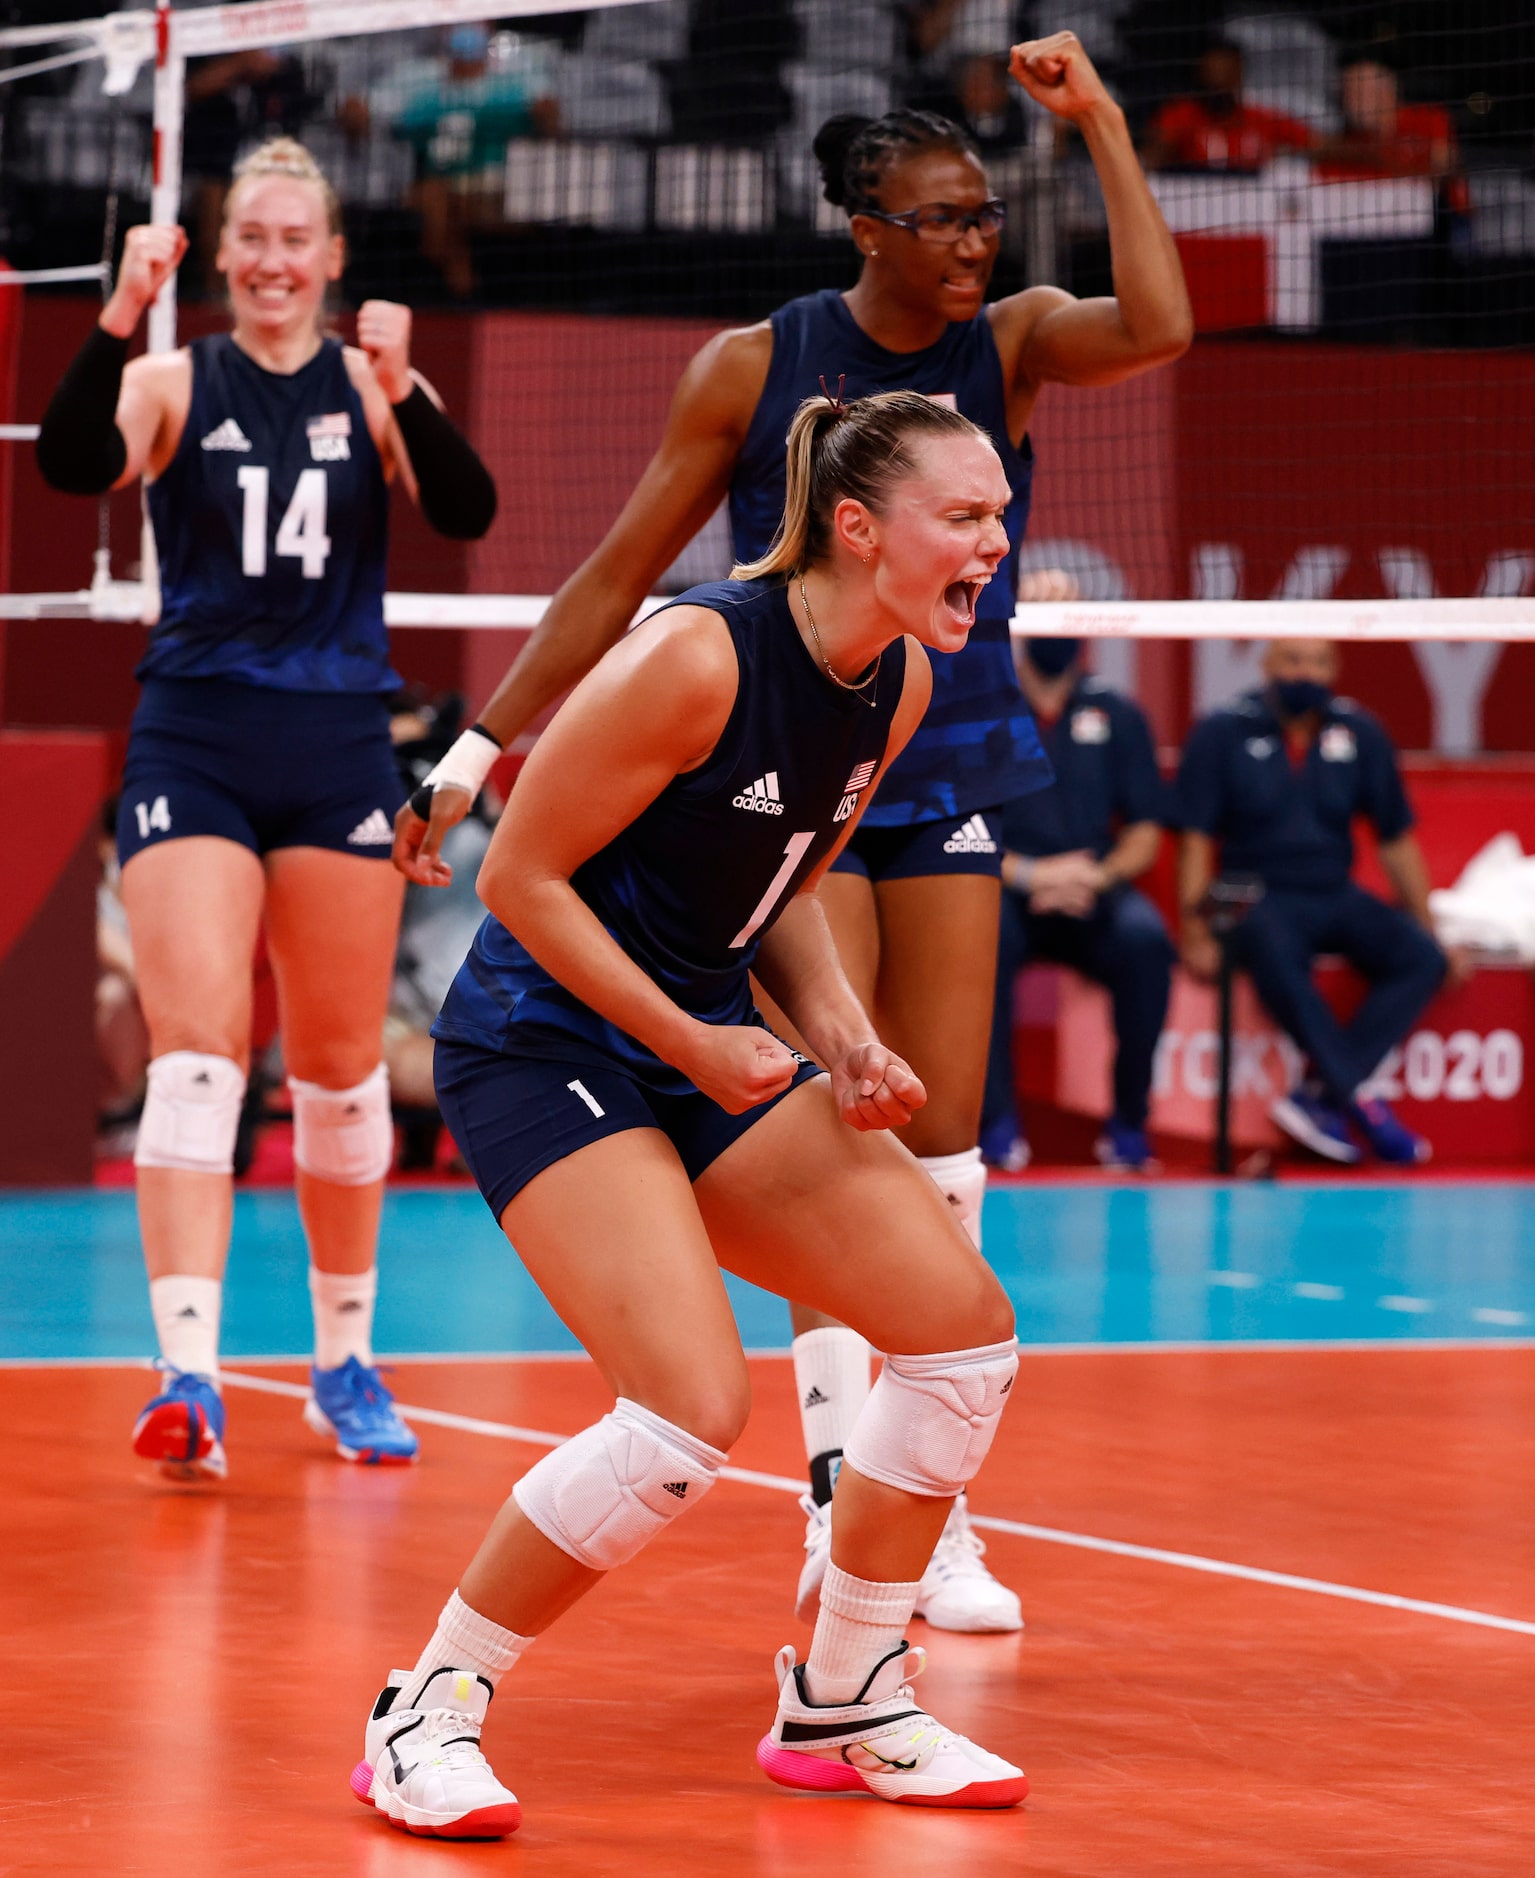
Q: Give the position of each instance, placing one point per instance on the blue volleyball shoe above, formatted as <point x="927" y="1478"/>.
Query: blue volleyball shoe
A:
<point x="182" y="1429"/>
<point x="353" y="1406"/>
<point x="1309" y="1117"/>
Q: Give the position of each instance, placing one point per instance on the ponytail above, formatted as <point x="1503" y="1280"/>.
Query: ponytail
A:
<point x="845" y="452"/>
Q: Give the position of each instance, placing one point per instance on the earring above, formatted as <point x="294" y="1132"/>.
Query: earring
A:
<point x="868" y="557"/>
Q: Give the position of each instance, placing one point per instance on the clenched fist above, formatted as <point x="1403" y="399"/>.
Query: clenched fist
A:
<point x="151" y="254"/>
<point x="1058" y="74"/>
<point x="383" y="332"/>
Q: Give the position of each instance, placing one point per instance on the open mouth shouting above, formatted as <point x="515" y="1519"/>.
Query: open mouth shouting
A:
<point x="961" y="598"/>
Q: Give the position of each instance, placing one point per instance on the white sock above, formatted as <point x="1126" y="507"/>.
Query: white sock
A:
<point x="831" y="1374"/>
<point x="859" y="1625"/>
<point x="465" y="1640"/>
<point x="343" y="1316"/>
<point x="186" y="1313"/>
<point x="962" y="1180"/>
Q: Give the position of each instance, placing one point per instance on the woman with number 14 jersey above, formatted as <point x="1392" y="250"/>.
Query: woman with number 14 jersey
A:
<point x="260" y="783"/>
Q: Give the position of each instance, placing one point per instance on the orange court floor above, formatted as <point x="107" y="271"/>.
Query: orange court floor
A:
<point x="189" y="1669"/>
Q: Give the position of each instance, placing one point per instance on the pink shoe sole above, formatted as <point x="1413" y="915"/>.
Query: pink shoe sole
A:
<point x="808" y="1774"/>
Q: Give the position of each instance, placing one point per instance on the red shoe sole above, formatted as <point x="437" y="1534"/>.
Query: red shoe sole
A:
<point x="166" y="1434"/>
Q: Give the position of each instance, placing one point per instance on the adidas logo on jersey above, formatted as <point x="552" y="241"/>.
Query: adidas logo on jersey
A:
<point x="677" y="1487"/>
<point x="226" y="436"/>
<point x="973" y="837"/>
<point x="762" y="797"/>
<point x="372" y="831"/>
<point x="856" y="784"/>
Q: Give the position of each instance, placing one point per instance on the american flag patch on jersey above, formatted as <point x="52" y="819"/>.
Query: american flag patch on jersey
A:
<point x="856" y="783"/>
<point x="328" y="436"/>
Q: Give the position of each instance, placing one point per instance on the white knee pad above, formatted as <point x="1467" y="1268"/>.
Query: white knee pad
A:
<point x="344" y="1135"/>
<point x="929" y="1420"/>
<point x="961" y="1179"/>
<point x="608" y="1491"/>
<point x="191" y="1113"/>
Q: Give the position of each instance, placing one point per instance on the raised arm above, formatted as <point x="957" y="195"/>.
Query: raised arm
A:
<point x="109" y="422"/>
<point x="1056" y="338"/>
<point x="440" y="469"/>
<point x="682" y="486"/>
<point x="652" y="709"/>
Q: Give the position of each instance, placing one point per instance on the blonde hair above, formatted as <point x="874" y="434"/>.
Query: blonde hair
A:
<point x="855" y="451"/>
<point x="286" y="156"/>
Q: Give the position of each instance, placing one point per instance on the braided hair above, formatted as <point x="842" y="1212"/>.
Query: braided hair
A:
<point x="853" y="153"/>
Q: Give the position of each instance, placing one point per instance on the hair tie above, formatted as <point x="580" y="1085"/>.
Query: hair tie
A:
<point x="838" y="408"/>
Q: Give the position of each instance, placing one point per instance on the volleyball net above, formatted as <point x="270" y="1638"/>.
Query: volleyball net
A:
<point x="573" y="198"/>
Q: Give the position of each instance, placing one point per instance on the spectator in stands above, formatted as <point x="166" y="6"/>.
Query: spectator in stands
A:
<point x="1216" y="129"/>
<point x="1381" y="135"/>
<point x="1276" y="779"/>
<point x="459" y="122"/>
<point x="1070" y="854"/>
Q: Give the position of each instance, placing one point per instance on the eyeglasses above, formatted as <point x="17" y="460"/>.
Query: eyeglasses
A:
<point x="943" y="222"/>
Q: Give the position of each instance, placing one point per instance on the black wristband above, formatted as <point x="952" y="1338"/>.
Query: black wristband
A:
<point x="80" y="450"/>
<point x="456" y="491"/>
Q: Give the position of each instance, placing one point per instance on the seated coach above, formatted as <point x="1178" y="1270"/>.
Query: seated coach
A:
<point x="1070" y="854"/>
<point x="1274" y="782"/>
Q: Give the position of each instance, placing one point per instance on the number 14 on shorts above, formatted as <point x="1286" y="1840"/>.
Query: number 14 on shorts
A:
<point x="154" y="818"/>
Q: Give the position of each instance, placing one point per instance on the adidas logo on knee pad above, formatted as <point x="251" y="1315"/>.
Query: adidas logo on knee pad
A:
<point x="678" y="1487"/>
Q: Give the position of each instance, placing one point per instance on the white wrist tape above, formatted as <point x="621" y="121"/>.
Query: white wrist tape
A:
<point x="929" y="1420"/>
<point x="473" y="756"/>
<point x="191" y="1113"/>
<point x="610" y="1489"/>
<point x="961" y="1179"/>
<point x="344" y="1135"/>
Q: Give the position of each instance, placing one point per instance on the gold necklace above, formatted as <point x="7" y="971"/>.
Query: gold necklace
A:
<point x="820" y="652"/>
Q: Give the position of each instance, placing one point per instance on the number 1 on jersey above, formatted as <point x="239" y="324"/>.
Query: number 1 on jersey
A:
<point x="793" y="854"/>
<point x="301" y="532"/>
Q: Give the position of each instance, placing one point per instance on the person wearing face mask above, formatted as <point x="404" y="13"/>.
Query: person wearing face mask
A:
<point x="1277" y="779"/>
<point x="1070" y="853"/>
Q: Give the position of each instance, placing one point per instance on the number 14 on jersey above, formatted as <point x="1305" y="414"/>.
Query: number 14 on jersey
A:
<point x="301" y="532"/>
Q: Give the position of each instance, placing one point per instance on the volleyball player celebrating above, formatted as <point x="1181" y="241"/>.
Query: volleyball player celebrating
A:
<point x="259" y="778"/>
<point x="634" y="1126"/>
<point x="914" y="901"/>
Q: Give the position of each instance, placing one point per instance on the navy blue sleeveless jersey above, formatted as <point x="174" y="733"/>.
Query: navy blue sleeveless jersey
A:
<point x="688" y="888"/>
<point x="272" y="526"/>
<point x="977" y="745"/>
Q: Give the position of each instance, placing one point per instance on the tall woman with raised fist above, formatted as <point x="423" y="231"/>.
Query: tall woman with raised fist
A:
<point x="259" y="781"/>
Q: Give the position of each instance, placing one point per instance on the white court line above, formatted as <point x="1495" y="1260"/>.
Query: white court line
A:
<point x="1048" y="1535"/>
<point x="1188" y="1346"/>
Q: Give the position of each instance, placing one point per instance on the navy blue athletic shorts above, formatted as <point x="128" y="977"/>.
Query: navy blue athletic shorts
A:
<point x="269" y="769"/>
<point x="971" y="845"/>
<point x="513" y="1116"/>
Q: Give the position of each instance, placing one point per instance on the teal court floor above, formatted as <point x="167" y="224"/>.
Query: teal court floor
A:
<point x="1172" y="1263"/>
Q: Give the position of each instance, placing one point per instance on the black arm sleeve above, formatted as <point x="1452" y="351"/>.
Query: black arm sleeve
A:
<point x="80" y="450"/>
<point x="456" y="491"/>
